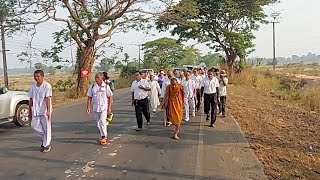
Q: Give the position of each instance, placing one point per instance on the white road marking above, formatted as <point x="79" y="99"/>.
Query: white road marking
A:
<point x="67" y="171"/>
<point x="86" y="168"/>
<point x="112" y="154"/>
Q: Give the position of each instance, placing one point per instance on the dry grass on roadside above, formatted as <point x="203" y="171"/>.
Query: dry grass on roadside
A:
<point x="297" y="92"/>
<point x="63" y="89"/>
<point x="306" y="69"/>
<point x="123" y="82"/>
<point x="64" y="85"/>
<point x="285" y="139"/>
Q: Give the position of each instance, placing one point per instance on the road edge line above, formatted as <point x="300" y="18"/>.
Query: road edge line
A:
<point x="198" y="170"/>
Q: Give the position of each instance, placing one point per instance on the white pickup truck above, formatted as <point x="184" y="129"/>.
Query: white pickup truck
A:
<point x="14" y="107"/>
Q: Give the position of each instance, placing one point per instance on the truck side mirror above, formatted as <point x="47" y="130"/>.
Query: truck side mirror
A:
<point x="3" y="90"/>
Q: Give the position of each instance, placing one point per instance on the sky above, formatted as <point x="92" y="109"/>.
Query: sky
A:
<point x="296" y="33"/>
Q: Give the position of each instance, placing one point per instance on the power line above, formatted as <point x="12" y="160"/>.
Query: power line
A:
<point x="20" y="44"/>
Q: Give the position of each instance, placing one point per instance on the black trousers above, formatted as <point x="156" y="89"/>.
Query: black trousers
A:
<point x="142" y="107"/>
<point x="198" y="103"/>
<point x="222" y="105"/>
<point x="210" y="103"/>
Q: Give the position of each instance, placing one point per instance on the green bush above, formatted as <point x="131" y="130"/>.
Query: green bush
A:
<point x="63" y="85"/>
<point x="127" y="72"/>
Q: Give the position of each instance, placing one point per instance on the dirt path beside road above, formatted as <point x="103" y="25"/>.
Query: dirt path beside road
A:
<point x="285" y="139"/>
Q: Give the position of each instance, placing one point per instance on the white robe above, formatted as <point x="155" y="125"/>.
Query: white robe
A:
<point x="154" y="98"/>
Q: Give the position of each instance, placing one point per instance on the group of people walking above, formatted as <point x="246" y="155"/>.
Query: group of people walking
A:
<point x="40" y="106"/>
<point x="178" y="96"/>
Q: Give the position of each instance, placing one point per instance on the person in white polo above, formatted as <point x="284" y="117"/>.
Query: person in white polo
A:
<point x="100" y="98"/>
<point x="139" y="89"/>
<point x="189" y="96"/>
<point x="223" y="81"/>
<point x="197" y="79"/>
<point x="40" y="108"/>
<point x="210" y="88"/>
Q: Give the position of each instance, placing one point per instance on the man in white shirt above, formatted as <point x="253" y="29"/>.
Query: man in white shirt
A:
<point x="140" y="88"/>
<point x="205" y="72"/>
<point x="100" y="98"/>
<point x="166" y="82"/>
<point x="40" y="108"/>
<point x="189" y="93"/>
<point x="223" y="82"/>
<point x="197" y="79"/>
<point x="210" y="87"/>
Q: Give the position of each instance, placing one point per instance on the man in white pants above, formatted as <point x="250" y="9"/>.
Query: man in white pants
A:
<point x="40" y="108"/>
<point x="100" y="98"/>
<point x="189" y="96"/>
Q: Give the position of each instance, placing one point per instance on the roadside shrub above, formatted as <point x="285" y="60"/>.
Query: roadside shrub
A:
<point x="127" y="72"/>
<point x="63" y="85"/>
<point x="311" y="99"/>
<point x="123" y="82"/>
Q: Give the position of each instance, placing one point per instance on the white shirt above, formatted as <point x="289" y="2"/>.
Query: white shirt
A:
<point x="188" y="87"/>
<point x="140" y="94"/>
<point x="156" y="78"/>
<point x="38" y="96"/>
<point x="99" y="96"/>
<point x="165" y="83"/>
<point x="197" y="79"/>
<point x="222" y="88"/>
<point x="210" y="85"/>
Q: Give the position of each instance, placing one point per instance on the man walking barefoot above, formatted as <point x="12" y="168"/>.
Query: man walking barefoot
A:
<point x="173" y="104"/>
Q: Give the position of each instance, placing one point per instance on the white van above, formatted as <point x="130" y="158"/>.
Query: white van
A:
<point x="146" y="70"/>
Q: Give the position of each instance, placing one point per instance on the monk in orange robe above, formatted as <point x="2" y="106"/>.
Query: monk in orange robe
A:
<point x="173" y="104"/>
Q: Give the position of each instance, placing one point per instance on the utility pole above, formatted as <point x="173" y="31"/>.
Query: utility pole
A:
<point x="274" y="16"/>
<point x="71" y="53"/>
<point x="139" y="45"/>
<point x="4" y="57"/>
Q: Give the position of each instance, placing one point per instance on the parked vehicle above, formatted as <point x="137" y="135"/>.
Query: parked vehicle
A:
<point x="175" y="70"/>
<point x="189" y="67"/>
<point x="14" y="107"/>
<point x="143" y="71"/>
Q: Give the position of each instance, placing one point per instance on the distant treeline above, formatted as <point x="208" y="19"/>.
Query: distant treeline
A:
<point x="20" y="71"/>
<point x="310" y="57"/>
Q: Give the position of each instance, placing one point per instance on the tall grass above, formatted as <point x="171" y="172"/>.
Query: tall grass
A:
<point x="285" y="87"/>
<point x="123" y="82"/>
<point x="301" y="68"/>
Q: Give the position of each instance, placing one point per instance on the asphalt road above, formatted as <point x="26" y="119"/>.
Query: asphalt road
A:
<point x="201" y="153"/>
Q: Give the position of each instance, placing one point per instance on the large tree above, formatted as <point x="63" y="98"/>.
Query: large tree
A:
<point x="224" y="25"/>
<point x="162" y="53"/>
<point x="214" y="59"/>
<point x="15" y="16"/>
<point x="191" y="55"/>
<point x="91" y="24"/>
<point x="106" y="63"/>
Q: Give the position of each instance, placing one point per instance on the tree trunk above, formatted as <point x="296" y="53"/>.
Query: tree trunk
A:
<point x="231" y="58"/>
<point x="86" y="60"/>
